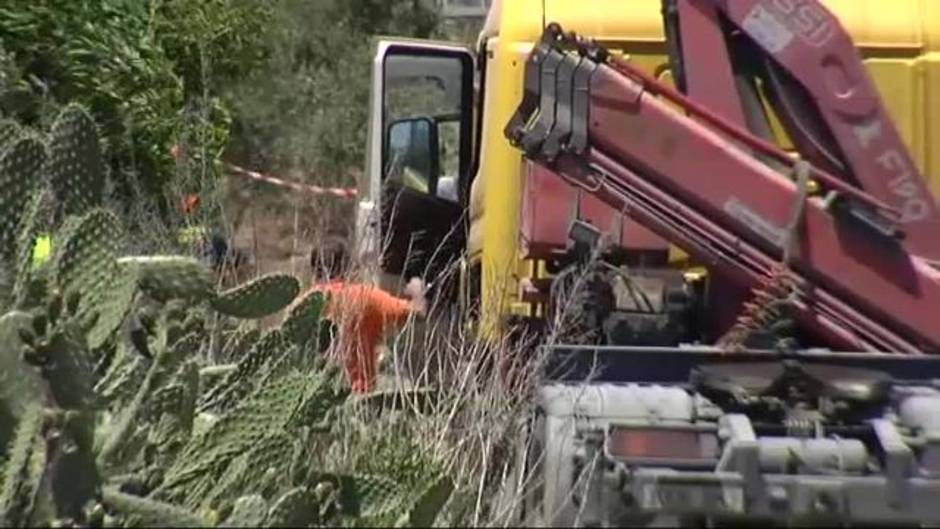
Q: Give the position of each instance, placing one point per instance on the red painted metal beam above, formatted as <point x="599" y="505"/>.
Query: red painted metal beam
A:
<point x="808" y="41"/>
<point x="739" y="134"/>
<point x="702" y="168"/>
<point x="709" y="78"/>
<point x="721" y="249"/>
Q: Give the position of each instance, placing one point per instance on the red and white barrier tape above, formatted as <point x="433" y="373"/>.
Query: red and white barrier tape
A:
<point x="341" y="192"/>
<point x="177" y="152"/>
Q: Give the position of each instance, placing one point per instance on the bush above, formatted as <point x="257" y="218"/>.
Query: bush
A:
<point x="307" y="106"/>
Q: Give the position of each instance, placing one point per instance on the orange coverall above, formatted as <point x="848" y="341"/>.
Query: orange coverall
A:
<point x="364" y="313"/>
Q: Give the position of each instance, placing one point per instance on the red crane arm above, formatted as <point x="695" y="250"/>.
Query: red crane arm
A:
<point x="688" y="182"/>
<point x="809" y="43"/>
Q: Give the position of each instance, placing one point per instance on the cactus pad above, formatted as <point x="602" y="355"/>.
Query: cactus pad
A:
<point x="86" y="260"/>
<point x="75" y="165"/>
<point x="370" y="496"/>
<point x="9" y="131"/>
<point x="25" y="240"/>
<point x="86" y="264"/>
<point x="145" y="512"/>
<point x="212" y="375"/>
<point x="238" y="383"/>
<point x="296" y="508"/>
<point x="248" y="473"/>
<point x="303" y="321"/>
<point x="165" y="278"/>
<point x="426" y="508"/>
<point x="248" y="511"/>
<point x="20" y="166"/>
<point x="240" y="343"/>
<point x="166" y="363"/>
<point x="24" y="470"/>
<point x="123" y="377"/>
<point x="274" y="407"/>
<point x="113" y="306"/>
<point x="20" y="384"/>
<point x="262" y="297"/>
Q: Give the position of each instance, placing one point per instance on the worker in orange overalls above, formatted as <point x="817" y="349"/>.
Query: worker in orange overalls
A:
<point x="364" y="313"/>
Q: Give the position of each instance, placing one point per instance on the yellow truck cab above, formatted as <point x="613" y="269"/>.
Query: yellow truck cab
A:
<point x="443" y="190"/>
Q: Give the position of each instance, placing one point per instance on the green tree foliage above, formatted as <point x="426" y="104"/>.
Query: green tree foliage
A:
<point x="278" y="84"/>
<point x="148" y="70"/>
<point x="307" y="107"/>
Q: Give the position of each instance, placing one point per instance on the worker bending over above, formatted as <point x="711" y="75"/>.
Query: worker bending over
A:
<point x="364" y="313"/>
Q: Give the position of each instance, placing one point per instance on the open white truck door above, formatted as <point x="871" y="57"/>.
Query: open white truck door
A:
<point x="410" y="214"/>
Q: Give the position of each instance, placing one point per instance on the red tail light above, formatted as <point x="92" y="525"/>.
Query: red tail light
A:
<point x="651" y="443"/>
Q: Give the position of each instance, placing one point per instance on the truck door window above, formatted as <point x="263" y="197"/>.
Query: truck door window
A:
<point x="424" y="112"/>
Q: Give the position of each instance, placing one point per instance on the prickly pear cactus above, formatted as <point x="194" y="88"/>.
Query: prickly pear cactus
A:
<point x="86" y="263"/>
<point x="424" y="510"/>
<point x="9" y="131"/>
<point x="144" y="512"/>
<point x="112" y="307"/>
<point x="24" y="470"/>
<point x="88" y="252"/>
<point x="75" y="167"/>
<point x="166" y="278"/>
<point x="297" y="507"/>
<point x="238" y="383"/>
<point x="20" y="384"/>
<point x="302" y="322"/>
<point x="20" y="166"/>
<point x="262" y="297"/>
<point x="257" y="470"/>
<point x="55" y="344"/>
<point x="116" y="449"/>
<point x="70" y="474"/>
<point x="61" y="462"/>
<point x="125" y="394"/>
<point x="172" y="410"/>
<point x="370" y="496"/>
<point x="120" y="382"/>
<point x="275" y="407"/>
<point x="28" y="230"/>
<point x="241" y="343"/>
<point x="248" y="511"/>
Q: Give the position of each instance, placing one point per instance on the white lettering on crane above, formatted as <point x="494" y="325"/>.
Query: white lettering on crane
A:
<point x="868" y="132"/>
<point x="807" y="19"/>
<point x="764" y="27"/>
<point x="915" y="207"/>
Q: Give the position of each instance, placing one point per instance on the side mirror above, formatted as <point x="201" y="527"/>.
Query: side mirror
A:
<point x="412" y="154"/>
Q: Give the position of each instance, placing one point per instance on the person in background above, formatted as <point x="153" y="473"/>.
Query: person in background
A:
<point x="215" y="249"/>
<point x="364" y="313"/>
